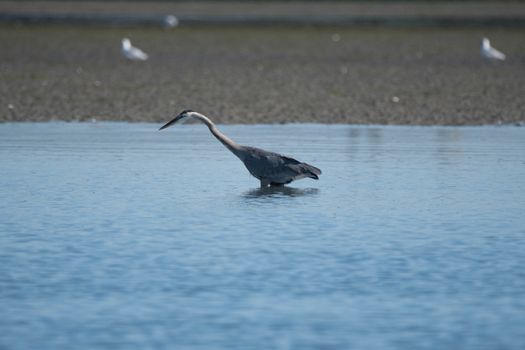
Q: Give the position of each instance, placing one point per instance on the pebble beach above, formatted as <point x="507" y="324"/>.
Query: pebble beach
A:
<point x="262" y="74"/>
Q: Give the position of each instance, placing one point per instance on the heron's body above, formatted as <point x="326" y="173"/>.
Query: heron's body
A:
<point x="131" y="52"/>
<point x="275" y="169"/>
<point x="490" y="52"/>
<point x="272" y="169"/>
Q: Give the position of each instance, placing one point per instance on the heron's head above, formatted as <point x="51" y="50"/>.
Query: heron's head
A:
<point x="486" y="43"/>
<point x="180" y="118"/>
<point x="126" y="43"/>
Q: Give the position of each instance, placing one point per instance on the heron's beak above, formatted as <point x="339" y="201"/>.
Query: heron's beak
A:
<point x="171" y="122"/>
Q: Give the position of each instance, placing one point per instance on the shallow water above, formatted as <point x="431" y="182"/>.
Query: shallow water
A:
<point x="118" y="236"/>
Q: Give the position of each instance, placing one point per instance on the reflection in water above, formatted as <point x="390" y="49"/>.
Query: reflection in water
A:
<point x="283" y="191"/>
<point x="354" y="133"/>
<point x="449" y="146"/>
<point x="371" y="133"/>
<point x="374" y="135"/>
<point x="449" y="135"/>
<point x="372" y="138"/>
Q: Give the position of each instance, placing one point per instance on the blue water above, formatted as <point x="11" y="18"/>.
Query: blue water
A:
<point x="116" y="236"/>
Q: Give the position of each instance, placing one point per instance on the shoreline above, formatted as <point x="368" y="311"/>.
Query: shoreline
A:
<point x="95" y="121"/>
<point x="263" y="75"/>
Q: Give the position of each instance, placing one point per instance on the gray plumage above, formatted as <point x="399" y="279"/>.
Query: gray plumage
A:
<point x="272" y="169"/>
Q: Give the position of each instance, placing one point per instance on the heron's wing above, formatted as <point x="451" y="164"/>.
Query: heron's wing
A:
<point x="276" y="167"/>
<point x="304" y="166"/>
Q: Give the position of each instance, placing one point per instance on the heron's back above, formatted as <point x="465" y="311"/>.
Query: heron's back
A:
<point x="276" y="168"/>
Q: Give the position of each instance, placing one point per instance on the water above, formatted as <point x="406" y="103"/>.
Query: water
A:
<point x="118" y="236"/>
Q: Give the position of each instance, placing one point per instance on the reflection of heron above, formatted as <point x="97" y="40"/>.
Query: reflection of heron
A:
<point x="270" y="168"/>
<point x="280" y="192"/>
<point x="489" y="52"/>
<point x="131" y="52"/>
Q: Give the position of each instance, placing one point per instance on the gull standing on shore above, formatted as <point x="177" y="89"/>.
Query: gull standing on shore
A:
<point x="491" y="53"/>
<point x="131" y="52"/>
<point x="170" y="21"/>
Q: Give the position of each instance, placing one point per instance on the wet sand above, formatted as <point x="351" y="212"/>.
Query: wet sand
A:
<point x="262" y="74"/>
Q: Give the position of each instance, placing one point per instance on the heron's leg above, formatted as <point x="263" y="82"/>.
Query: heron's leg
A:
<point x="264" y="183"/>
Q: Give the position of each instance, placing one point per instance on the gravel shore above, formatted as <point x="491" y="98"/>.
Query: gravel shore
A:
<point x="262" y="74"/>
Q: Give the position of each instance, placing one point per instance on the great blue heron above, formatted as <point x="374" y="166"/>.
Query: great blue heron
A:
<point x="131" y="52"/>
<point x="490" y="52"/>
<point x="270" y="168"/>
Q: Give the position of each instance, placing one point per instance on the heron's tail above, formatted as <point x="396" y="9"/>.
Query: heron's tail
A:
<point x="311" y="171"/>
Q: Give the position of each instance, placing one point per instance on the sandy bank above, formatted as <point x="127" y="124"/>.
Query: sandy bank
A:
<point x="262" y="75"/>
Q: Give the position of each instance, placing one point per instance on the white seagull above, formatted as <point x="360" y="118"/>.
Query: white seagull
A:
<point x="131" y="52"/>
<point x="170" y="21"/>
<point x="489" y="52"/>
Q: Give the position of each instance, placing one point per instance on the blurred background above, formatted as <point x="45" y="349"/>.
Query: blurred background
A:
<point x="388" y="62"/>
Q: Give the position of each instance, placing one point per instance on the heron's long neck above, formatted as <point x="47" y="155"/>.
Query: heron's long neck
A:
<point x="225" y="140"/>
